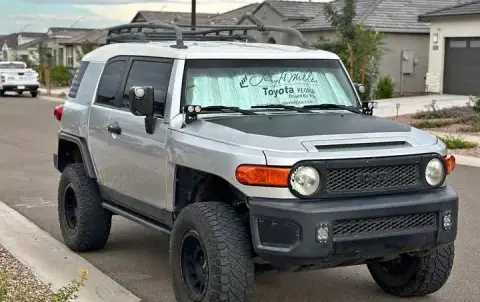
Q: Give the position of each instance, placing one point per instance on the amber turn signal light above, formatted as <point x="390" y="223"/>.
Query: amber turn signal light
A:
<point x="450" y="163"/>
<point x="253" y="175"/>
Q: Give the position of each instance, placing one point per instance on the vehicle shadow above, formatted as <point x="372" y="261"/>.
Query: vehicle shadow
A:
<point x="147" y="273"/>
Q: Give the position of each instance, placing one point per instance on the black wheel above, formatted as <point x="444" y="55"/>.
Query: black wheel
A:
<point x="84" y="223"/>
<point x="34" y="94"/>
<point x="2" y="93"/>
<point x="410" y="276"/>
<point x="211" y="256"/>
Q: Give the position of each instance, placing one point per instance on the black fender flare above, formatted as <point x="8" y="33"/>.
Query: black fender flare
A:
<point x="82" y="146"/>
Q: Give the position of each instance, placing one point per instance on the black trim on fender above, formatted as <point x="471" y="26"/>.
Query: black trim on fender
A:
<point x="82" y="146"/>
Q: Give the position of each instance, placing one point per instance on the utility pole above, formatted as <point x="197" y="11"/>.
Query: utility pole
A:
<point x="194" y="14"/>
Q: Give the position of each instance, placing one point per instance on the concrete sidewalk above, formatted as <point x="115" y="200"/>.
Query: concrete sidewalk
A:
<point x="52" y="262"/>
<point x="411" y="105"/>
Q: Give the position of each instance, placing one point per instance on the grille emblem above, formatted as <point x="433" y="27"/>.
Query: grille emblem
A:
<point x="373" y="177"/>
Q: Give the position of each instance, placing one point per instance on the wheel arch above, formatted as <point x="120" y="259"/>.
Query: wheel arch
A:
<point x="194" y="186"/>
<point x="73" y="149"/>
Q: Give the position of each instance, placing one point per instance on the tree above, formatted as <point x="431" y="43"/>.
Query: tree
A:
<point x="358" y="46"/>
<point x="85" y="47"/>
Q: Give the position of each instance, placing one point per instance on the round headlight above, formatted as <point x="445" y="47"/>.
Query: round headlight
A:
<point x="305" y="180"/>
<point x="434" y="172"/>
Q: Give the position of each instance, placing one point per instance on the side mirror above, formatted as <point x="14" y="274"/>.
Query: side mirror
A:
<point x="141" y="101"/>
<point x="360" y="88"/>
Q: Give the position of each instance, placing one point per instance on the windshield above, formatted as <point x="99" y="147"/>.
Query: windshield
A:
<point x="247" y="83"/>
<point x="12" y="65"/>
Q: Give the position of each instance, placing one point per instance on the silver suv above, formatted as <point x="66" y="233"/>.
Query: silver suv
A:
<point x="250" y="156"/>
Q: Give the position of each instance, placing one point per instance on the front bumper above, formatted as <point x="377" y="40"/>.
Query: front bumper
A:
<point x="19" y="87"/>
<point x="358" y="229"/>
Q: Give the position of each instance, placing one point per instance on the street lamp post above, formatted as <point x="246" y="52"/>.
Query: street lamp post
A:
<point x="194" y="14"/>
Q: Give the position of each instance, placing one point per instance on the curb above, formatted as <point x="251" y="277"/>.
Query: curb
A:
<point x="52" y="262"/>
<point x="51" y="98"/>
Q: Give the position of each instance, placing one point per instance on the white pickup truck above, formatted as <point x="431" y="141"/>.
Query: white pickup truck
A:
<point x="16" y="77"/>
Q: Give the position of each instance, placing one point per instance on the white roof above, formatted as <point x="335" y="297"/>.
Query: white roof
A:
<point x="207" y="50"/>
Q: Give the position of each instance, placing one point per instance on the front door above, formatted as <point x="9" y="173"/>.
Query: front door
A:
<point x="138" y="178"/>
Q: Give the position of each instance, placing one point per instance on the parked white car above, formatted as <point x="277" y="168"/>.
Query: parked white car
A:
<point x="15" y="76"/>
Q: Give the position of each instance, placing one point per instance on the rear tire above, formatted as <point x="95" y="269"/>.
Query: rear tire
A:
<point x="415" y="275"/>
<point x="84" y="223"/>
<point x="216" y="235"/>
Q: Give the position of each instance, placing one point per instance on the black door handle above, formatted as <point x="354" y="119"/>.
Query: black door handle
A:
<point x="114" y="128"/>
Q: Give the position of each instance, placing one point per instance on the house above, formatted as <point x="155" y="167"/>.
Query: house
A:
<point x="398" y="19"/>
<point x="10" y="43"/>
<point x="454" y="49"/>
<point x="63" y="44"/>
<point x="74" y="46"/>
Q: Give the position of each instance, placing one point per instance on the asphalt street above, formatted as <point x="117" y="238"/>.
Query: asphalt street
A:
<point x="137" y="258"/>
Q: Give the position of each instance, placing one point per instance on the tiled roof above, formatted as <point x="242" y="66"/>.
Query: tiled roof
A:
<point x="98" y="36"/>
<point x="233" y="16"/>
<point x="31" y="44"/>
<point x="184" y="18"/>
<point x="384" y="15"/>
<point x="297" y="9"/>
<point x="173" y="17"/>
<point x="12" y="39"/>
<point x="462" y="9"/>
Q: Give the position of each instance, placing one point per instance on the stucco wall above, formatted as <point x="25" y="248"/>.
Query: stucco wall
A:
<point x="447" y="28"/>
<point x="391" y="61"/>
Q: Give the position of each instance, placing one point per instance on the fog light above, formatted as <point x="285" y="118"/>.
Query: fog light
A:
<point x="323" y="233"/>
<point x="447" y="221"/>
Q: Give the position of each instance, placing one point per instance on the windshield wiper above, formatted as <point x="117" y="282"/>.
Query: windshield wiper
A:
<point x="280" y="106"/>
<point x="222" y="108"/>
<point x="332" y="106"/>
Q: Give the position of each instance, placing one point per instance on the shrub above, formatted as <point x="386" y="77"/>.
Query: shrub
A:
<point x="457" y="143"/>
<point x="19" y="290"/>
<point x="384" y="88"/>
<point x="61" y="76"/>
<point x="433" y="123"/>
<point x="433" y="112"/>
<point x="476" y="106"/>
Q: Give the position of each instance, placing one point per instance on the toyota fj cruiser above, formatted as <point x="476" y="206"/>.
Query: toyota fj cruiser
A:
<point x="16" y="77"/>
<point x="249" y="155"/>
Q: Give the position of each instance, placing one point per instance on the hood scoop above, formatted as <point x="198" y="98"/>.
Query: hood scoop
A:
<point x="363" y="146"/>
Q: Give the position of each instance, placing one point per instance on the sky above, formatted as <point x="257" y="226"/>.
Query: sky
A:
<point x="39" y="15"/>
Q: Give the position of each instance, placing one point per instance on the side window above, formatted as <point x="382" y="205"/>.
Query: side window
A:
<point x="77" y="79"/>
<point x="149" y="73"/>
<point x="109" y="82"/>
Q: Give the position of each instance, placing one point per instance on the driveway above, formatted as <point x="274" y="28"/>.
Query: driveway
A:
<point x="137" y="257"/>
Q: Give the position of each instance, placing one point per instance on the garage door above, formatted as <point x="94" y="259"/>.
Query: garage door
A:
<point x="462" y="66"/>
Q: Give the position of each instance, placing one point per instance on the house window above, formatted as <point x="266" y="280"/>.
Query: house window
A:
<point x="5" y="55"/>
<point x="61" y="54"/>
<point x="69" y="51"/>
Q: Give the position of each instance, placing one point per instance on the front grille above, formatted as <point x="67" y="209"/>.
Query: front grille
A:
<point x="366" y="226"/>
<point x="344" y="180"/>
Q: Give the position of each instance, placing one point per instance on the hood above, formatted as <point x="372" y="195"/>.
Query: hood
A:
<point x="315" y="132"/>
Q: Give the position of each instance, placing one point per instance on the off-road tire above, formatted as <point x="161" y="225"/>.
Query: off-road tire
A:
<point x="426" y="274"/>
<point x="228" y="249"/>
<point x="34" y="94"/>
<point x="93" y="222"/>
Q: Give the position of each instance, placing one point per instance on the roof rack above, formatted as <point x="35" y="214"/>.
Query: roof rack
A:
<point x="124" y="33"/>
